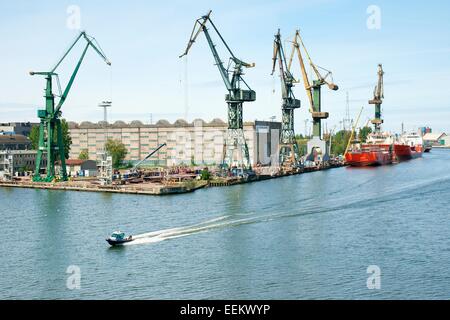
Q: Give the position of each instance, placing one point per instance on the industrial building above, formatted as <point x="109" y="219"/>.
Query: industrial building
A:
<point x="83" y="168"/>
<point x="14" y="142"/>
<point x="435" y="139"/>
<point x="22" y="128"/>
<point x="446" y="141"/>
<point x="198" y="142"/>
<point x="15" y="155"/>
<point x="13" y="162"/>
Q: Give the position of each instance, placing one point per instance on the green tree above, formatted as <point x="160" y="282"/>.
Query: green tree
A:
<point x="302" y="143"/>
<point x="364" y="132"/>
<point x="205" y="174"/>
<point x="34" y="137"/>
<point x="67" y="140"/>
<point x="84" y="154"/>
<point x="117" y="150"/>
<point x="339" y="142"/>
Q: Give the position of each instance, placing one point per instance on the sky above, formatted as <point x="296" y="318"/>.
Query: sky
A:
<point x="148" y="82"/>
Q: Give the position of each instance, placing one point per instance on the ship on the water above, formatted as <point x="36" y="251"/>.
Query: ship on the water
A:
<point x="409" y="146"/>
<point x="382" y="148"/>
<point x="378" y="150"/>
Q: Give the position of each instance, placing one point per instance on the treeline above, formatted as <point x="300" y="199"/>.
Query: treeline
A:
<point x="339" y="140"/>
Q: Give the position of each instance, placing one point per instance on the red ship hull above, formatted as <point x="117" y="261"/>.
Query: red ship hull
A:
<point x="404" y="152"/>
<point x="367" y="158"/>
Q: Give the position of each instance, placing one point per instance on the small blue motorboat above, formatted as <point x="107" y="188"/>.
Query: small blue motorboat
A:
<point x="118" y="238"/>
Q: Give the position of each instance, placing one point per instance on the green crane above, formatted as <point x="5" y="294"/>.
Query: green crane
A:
<point x="288" y="149"/>
<point x="377" y="100"/>
<point x="50" y="116"/>
<point x="236" y="95"/>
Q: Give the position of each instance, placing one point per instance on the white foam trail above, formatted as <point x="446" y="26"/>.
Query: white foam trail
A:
<point x="161" y="235"/>
<point x="233" y="220"/>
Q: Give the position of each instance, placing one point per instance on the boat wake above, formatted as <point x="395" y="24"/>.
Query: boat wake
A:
<point x="217" y="223"/>
<point x="166" y="234"/>
<point x="308" y="207"/>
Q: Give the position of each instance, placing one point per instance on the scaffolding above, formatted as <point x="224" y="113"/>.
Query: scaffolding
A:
<point x="105" y="168"/>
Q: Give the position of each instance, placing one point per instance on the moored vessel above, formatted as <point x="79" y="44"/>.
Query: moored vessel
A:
<point x="409" y="146"/>
<point x="377" y="151"/>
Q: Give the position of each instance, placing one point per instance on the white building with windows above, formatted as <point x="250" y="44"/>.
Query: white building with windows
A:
<point x="198" y="142"/>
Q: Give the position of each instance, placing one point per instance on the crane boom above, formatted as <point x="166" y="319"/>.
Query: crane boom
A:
<point x="286" y="77"/>
<point x="219" y="62"/>
<point x="296" y="48"/>
<point x="200" y="26"/>
<point x="322" y="79"/>
<point x="148" y="156"/>
<point x="75" y="72"/>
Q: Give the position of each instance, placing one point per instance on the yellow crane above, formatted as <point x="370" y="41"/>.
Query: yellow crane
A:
<point x="313" y="88"/>
<point x="312" y="91"/>
<point x="350" y="139"/>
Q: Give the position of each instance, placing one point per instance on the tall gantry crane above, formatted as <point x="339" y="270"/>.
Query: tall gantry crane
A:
<point x="316" y="145"/>
<point x="288" y="150"/>
<point x="50" y="117"/>
<point x="377" y="100"/>
<point x="236" y="96"/>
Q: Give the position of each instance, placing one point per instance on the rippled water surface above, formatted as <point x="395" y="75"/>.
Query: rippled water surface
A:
<point x="304" y="237"/>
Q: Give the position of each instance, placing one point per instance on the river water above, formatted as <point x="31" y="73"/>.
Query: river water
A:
<point x="311" y="236"/>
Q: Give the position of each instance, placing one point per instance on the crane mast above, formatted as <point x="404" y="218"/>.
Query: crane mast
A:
<point x="313" y="90"/>
<point x="288" y="149"/>
<point x="235" y="97"/>
<point x="377" y="100"/>
<point x="50" y="116"/>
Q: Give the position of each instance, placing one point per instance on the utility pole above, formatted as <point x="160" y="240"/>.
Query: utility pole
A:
<point x="347" y="113"/>
<point x="105" y="105"/>
<point x="306" y="127"/>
